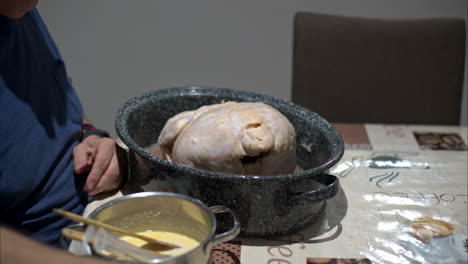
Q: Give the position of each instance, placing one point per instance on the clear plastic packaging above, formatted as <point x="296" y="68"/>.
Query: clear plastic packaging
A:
<point x="406" y="207"/>
<point x="105" y="243"/>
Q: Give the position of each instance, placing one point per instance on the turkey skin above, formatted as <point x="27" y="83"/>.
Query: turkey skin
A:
<point x="249" y="138"/>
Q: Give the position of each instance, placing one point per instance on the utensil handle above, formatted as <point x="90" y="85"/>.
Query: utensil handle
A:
<point x="84" y="220"/>
<point x="329" y="190"/>
<point x="226" y="236"/>
<point x="73" y="234"/>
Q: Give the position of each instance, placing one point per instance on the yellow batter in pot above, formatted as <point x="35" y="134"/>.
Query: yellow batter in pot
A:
<point x="186" y="243"/>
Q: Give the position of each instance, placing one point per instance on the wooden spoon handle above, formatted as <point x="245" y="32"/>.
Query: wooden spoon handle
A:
<point x="79" y="218"/>
<point x="73" y="234"/>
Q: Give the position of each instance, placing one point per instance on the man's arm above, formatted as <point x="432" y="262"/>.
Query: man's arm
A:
<point x="18" y="249"/>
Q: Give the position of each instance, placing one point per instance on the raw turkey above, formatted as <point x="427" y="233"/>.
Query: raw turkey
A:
<point x="234" y="137"/>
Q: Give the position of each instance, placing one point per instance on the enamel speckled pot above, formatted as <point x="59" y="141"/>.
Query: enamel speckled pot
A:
<point x="265" y="205"/>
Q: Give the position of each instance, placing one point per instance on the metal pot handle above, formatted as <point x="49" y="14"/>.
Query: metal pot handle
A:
<point x="226" y="236"/>
<point x="331" y="188"/>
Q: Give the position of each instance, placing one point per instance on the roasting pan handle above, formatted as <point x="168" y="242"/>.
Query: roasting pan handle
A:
<point x="329" y="190"/>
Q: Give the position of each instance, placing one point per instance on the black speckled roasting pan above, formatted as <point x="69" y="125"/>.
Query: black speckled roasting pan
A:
<point x="265" y="205"/>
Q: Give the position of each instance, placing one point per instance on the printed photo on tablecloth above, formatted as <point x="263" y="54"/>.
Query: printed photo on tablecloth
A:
<point x="440" y="141"/>
<point x="433" y="240"/>
<point x="226" y="253"/>
<point x="338" y="261"/>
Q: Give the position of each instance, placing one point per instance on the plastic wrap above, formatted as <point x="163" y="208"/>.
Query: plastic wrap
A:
<point x="104" y="243"/>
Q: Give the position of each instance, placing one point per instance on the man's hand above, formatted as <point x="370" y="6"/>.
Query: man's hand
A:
<point x="106" y="162"/>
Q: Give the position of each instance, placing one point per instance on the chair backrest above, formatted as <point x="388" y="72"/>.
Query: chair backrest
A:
<point x="350" y="69"/>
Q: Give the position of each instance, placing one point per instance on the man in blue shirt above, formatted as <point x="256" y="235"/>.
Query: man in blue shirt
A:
<point x="48" y="158"/>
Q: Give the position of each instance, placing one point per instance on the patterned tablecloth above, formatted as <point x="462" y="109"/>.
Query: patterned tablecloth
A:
<point x="403" y="199"/>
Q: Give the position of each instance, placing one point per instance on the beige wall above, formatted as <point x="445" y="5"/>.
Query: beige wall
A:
<point x="118" y="49"/>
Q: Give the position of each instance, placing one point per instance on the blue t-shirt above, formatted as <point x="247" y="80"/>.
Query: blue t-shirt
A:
<point x="40" y="124"/>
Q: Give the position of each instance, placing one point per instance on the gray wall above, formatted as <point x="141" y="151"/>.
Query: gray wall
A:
<point x="118" y="49"/>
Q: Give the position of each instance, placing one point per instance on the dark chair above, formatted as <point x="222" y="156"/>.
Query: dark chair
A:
<point x="350" y="69"/>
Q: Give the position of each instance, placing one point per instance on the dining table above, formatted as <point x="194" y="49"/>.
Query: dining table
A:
<point x="403" y="199"/>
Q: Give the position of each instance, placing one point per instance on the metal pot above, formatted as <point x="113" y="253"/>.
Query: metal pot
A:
<point x="265" y="205"/>
<point x="193" y="218"/>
